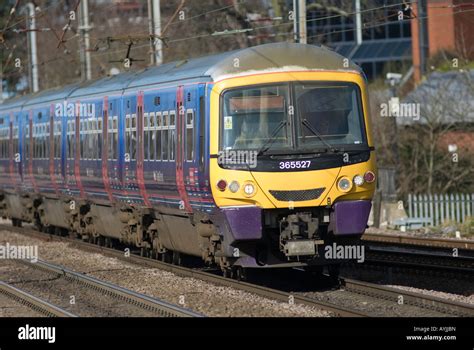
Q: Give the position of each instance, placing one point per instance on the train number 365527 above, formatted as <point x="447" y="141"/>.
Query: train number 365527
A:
<point x="299" y="164"/>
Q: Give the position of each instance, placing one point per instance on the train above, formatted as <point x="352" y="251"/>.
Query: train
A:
<point x="256" y="158"/>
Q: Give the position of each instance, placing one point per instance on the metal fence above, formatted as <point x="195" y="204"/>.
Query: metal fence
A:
<point x="439" y="208"/>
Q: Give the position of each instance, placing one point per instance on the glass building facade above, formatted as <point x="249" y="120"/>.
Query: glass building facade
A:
<point x="385" y="33"/>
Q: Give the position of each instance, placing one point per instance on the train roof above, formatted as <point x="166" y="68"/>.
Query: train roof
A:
<point x="264" y="58"/>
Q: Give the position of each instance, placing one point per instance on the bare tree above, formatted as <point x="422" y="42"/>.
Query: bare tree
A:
<point x="446" y="110"/>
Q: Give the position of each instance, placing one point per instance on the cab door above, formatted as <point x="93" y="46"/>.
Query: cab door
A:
<point x="181" y="149"/>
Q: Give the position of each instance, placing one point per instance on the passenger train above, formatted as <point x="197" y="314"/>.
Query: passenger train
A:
<point x="255" y="158"/>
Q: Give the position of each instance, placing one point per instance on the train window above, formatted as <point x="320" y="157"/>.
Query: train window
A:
<point x="146" y="118"/>
<point x="95" y="140"/>
<point x="81" y="142"/>
<point x="99" y="140"/>
<point x="110" y="138"/>
<point x="70" y="139"/>
<point x="133" y="138"/>
<point x="1" y="144"/>
<point x="152" y="120"/>
<point x="159" y="120"/>
<point x="202" y="118"/>
<point x="57" y="141"/>
<point x="86" y="140"/>
<point x="172" y="134"/>
<point x="151" y="136"/>
<point x="164" y="136"/>
<point x="189" y="135"/>
<point x="157" y="139"/>
<point x="115" y="139"/>
<point x="146" y="130"/>
<point x="127" y="133"/>
<point x="48" y="140"/>
<point x="37" y="142"/>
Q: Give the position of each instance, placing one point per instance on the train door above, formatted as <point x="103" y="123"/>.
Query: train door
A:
<point x="54" y="151"/>
<point x="25" y="156"/>
<point x="140" y="149"/>
<point x="106" y="139"/>
<point x="181" y="150"/>
<point x="91" y="138"/>
<point x="72" y="154"/>
<point x="4" y="151"/>
<point x="28" y="153"/>
<point x="111" y="154"/>
<point x="14" y="153"/>
<point x="130" y="182"/>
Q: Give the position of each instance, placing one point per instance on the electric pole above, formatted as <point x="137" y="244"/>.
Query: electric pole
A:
<point x="358" y="22"/>
<point x="32" y="45"/>
<point x="422" y="35"/>
<point x="299" y="15"/>
<point x="156" y="46"/>
<point x="84" y="28"/>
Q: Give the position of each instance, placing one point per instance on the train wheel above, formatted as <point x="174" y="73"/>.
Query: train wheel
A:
<point x="38" y="226"/>
<point x="315" y="270"/>
<point x="167" y="257"/>
<point x="227" y="273"/>
<point x="176" y="259"/>
<point x="100" y="241"/>
<point x="239" y="273"/>
<point x="334" y="271"/>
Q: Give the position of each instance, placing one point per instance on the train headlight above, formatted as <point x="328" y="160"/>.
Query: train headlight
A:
<point x="369" y="177"/>
<point x="358" y="180"/>
<point x="344" y="184"/>
<point x="221" y="185"/>
<point x="234" y="186"/>
<point x="249" y="189"/>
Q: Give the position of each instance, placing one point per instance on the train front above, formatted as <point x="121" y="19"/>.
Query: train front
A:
<point x="292" y="164"/>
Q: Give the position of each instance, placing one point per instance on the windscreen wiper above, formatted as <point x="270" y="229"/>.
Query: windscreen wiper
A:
<point x="266" y="146"/>
<point x="306" y="123"/>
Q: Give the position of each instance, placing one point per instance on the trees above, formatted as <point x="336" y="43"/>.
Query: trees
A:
<point x="446" y="113"/>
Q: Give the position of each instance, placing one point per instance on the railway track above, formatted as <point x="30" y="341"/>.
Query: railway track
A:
<point x="444" y="256"/>
<point x="124" y="299"/>
<point x="321" y="300"/>
<point x="34" y="303"/>
<point x="418" y="241"/>
<point x="426" y="304"/>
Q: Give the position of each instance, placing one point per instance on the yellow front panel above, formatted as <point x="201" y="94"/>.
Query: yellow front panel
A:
<point x="302" y="180"/>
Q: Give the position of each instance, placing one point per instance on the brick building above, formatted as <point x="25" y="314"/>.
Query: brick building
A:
<point x="450" y="28"/>
<point x="386" y="36"/>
